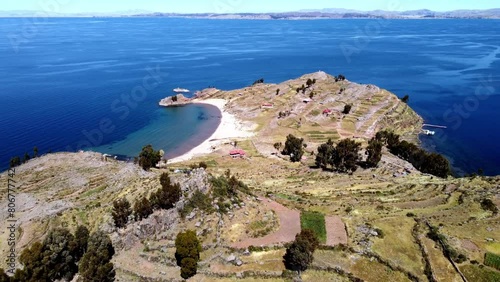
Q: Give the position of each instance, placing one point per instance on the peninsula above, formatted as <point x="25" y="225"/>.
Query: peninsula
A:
<point x="312" y="179"/>
<point x="269" y="112"/>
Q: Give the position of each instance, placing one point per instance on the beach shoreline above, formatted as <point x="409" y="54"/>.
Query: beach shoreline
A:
<point x="229" y="128"/>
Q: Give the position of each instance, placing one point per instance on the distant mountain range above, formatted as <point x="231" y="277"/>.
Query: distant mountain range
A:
<point x="27" y="13"/>
<point x="346" y="14"/>
<point x="302" y="14"/>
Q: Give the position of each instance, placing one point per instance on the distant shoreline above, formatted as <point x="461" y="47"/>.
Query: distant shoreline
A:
<point x="310" y="14"/>
<point x="255" y="18"/>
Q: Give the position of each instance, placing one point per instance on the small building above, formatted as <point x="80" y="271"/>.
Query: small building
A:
<point x="267" y="106"/>
<point x="307" y="100"/>
<point x="237" y="153"/>
<point x="327" y="112"/>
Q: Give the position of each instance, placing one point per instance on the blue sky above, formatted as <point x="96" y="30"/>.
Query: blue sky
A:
<point x="236" y="6"/>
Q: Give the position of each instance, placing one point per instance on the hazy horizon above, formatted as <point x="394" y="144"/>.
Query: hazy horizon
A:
<point x="235" y="6"/>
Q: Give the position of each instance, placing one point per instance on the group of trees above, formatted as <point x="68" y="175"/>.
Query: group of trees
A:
<point x="96" y="264"/>
<point x="284" y="114"/>
<point x="187" y="253"/>
<point x="61" y="255"/>
<point x="425" y="162"/>
<point x="309" y="83"/>
<point x="339" y="78"/>
<point x="343" y="157"/>
<point x="294" y="147"/>
<point x="227" y="186"/>
<point x="164" y="198"/>
<point x="17" y="161"/>
<point x="148" y="157"/>
<point x="299" y="255"/>
<point x="302" y="88"/>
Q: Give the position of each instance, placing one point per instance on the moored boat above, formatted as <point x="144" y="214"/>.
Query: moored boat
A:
<point x="181" y="90"/>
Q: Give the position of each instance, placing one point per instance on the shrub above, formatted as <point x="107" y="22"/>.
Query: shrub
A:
<point x="197" y="200"/>
<point x="277" y="146"/>
<point x="380" y="232"/>
<point x="460" y="258"/>
<point x="227" y="185"/>
<point x="253" y="248"/>
<point x="405" y="99"/>
<point x="258" y="81"/>
<point x="15" y="161"/>
<point x="203" y="165"/>
<point x="339" y="78"/>
<point x="488" y="205"/>
<point x="410" y="214"/>
<point x="347" y="109"/>
<point x="448" y="250"/>
<point x="288" y="275"/>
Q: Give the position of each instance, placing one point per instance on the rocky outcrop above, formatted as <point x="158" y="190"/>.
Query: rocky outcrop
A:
<point x="162" y="224"/>
<point x="175" y="101"/>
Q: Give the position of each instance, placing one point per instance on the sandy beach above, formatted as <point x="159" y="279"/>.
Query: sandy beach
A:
<point x="229" y="128"/>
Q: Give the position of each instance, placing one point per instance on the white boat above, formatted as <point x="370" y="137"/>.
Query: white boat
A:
<point x="429" y="132"/>
<point x="181" y="90"/>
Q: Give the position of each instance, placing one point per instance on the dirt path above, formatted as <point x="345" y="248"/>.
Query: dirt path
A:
<point x="335" y="231"/>
<point x="289" y="227"/>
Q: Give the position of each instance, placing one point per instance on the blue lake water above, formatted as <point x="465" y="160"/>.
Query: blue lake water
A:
<point x="70" y="83"/>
